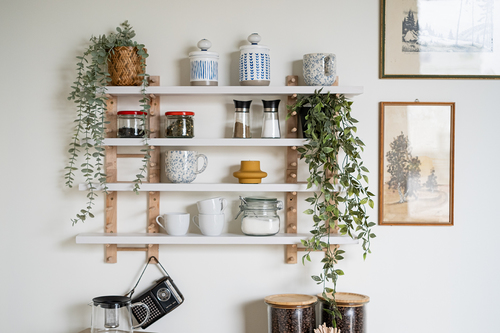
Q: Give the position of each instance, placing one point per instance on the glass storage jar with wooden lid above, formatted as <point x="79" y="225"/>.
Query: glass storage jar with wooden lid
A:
<point x="291" y="313"/>
<point x="351" y="307"/>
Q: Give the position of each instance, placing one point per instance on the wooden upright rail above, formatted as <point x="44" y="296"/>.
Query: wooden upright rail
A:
<point x="154" y="168"/>
<point x="291" y="175"/>
<point x="153" y="175"/>
<point x="111" y="177"/>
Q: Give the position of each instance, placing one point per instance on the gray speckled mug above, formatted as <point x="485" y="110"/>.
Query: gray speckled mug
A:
<point x="181" y="166"/>
<point x="319" y="69"/>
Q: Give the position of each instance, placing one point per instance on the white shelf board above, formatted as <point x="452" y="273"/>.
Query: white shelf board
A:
<point x="195" y="142"/>
<point x="224" y="239"/>
<point x="205" y="187"/>
<point x="233" y="90"/>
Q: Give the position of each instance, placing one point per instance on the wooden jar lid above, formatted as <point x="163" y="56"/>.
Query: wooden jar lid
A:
<point x="291" y="300"/>
<point x="348" y="299"/>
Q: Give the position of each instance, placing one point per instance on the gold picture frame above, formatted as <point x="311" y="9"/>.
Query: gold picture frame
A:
<point x="416" y="171"/>
<point x="453" y="39"/>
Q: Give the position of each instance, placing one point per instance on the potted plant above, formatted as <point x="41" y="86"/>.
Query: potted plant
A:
<point x="332" y="154"/>
<point x="88" y="93"/>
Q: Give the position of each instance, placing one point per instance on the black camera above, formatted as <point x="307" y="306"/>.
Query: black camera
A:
<point x="161" y="299"/>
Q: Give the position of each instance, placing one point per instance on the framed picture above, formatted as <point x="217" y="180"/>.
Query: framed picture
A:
<point x="416" y="163"/>
<point x="455" y="39"/>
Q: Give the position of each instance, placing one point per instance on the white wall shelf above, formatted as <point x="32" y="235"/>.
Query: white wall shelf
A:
<point x="206" y="187"/>
<point x="233" y="90"/>
<point x="197" y="142"/>
<point x="152" y="237"/>
<point x="223" y="239"/>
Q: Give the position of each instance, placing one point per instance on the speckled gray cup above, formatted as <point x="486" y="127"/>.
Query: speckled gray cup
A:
<point x="319" y="69"/>
<point x="181" y="166"/>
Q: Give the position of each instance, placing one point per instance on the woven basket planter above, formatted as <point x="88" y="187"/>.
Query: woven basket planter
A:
<point x="124" y="66"/>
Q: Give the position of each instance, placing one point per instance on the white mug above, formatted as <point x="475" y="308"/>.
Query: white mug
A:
<point x="175" y="224"/>
<point x="212" y="206"/>
<point x="209" y="224"/>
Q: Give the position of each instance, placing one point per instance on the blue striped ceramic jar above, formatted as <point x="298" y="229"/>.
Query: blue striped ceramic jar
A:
<point x="204" y="65"/>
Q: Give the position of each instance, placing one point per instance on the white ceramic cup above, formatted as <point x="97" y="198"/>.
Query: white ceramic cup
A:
<point x="209" y="224"/>
<point x="175" y="224"/>
<point x="212" y="206"/>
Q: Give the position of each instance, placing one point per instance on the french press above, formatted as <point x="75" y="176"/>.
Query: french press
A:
<point x="112" y="314"/>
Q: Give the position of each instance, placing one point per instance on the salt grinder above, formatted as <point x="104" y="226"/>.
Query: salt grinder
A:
<point x="270" y="122"/>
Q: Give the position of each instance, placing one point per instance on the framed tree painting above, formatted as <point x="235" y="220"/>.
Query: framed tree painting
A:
<point x="416" y="163"/>
<point x="440" y="39"/>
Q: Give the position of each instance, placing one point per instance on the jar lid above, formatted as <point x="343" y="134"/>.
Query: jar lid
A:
<point x="204" y="45"/>
<point x="132" y="112"/>
<point x="348" y="299"/>
<point x="291" y="300"/>
<point x="179" y="113"/>
<point x="111" y="302"/>
<point x="259" y="199"/>
<point x="242" y="106"/>
<point x="271" y="106"/>
<point x="254" y="39"/>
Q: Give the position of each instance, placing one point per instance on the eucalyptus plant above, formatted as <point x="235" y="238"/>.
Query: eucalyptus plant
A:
<point x="89" y="95"/>
<point x="332" y="154"/>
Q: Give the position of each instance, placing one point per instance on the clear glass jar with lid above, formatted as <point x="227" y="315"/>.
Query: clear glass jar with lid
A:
<point x="351" y="307"/>
<point x="291" y="313"/>
<point x="260" y="216"/>
<point x="131" y="124"/>
<point x="179" y="124"/>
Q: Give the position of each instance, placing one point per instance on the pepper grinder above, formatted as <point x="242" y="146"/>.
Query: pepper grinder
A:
<point x="270" y="122"/>
<point x="242" y="119"/>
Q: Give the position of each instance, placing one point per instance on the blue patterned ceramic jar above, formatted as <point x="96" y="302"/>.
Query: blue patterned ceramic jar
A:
<point x="204" y="65"/>
<point x="255" y="63"/>
<point x="181" y="166"/>
<point x="320" y="69"/>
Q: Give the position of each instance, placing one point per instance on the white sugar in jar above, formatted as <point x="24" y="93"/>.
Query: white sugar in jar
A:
<point x="260" y="216"/>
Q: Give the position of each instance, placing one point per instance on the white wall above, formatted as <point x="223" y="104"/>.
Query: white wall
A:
<point x="432" y="279"/>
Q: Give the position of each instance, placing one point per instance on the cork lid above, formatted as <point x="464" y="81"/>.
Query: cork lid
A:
<point x="348" y="299"/>
<point x="290" y="300"/>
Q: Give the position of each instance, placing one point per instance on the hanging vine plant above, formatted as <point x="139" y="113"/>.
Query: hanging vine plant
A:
<point x="332" y="154"/>
<point x="89" y="95"/>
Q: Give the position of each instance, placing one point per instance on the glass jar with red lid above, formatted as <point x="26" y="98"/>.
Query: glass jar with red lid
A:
<point x="131" y="124"/>
<point x="179" y="124"/>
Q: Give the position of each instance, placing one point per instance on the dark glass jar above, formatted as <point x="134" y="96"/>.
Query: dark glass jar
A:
<point x="291" y="313"/>
<point x="131" y="124"/>
<point x="352" y="309"/>
<point x="179" y="124"/>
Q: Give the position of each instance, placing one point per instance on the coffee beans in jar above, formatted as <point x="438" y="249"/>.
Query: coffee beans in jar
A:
<point x="131" y="124"/>
<point x="351" y="307"/>
<point x="291" y="313"/>
<point x="179" y="124"/>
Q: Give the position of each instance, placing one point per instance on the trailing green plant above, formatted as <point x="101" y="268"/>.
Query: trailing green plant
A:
<point x="89" y="94"/>
<point x="332" y="154"/>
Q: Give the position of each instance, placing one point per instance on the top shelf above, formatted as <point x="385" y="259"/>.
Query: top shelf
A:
<point x="233" y="90"/>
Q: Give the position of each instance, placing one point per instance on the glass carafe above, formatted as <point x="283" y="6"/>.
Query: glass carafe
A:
<point x="112" y="314"/>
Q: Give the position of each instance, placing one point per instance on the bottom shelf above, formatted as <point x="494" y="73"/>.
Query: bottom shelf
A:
<point x="224" y="239"/>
